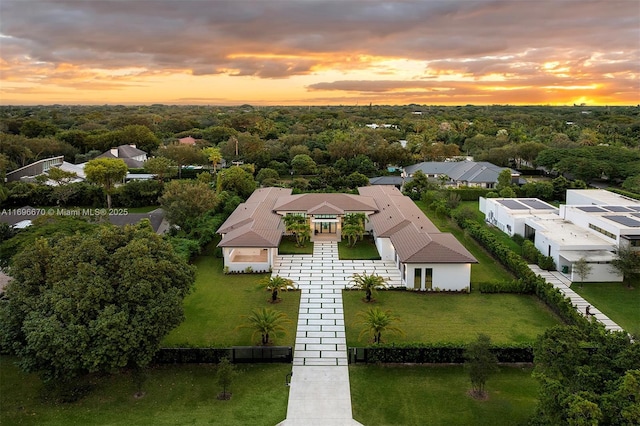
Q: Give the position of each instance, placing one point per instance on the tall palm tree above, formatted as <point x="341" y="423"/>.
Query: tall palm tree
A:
<point x="267" y="322"/>
<point x="377" y="321"/>
<point x="369" y="283"/>
<point x="275" y="284"/>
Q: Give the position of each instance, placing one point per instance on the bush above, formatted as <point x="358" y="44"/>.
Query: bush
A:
<point x="447" y="353"/>
<point x="138" y="193"/>
<point x="546" y="263"/>
<point x="530" y="252"/>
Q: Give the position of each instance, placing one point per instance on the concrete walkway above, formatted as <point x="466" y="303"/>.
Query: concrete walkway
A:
<point x="320" y="392"/>
<point x="561" y="282"/>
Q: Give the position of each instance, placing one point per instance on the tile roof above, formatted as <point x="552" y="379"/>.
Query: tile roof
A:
<point x="253" y="223"/>
<point x="461" y="171"/>
<point x="305" y="202"/>
<point x="415" y="238"/>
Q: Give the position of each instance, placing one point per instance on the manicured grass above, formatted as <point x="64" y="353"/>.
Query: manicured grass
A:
<point x="456" y="318"/>
<point x="288" y="246"/>
<point x="488" y="269"/>
<point x="365" y="249"/>
<point x="419" y="395"/>
<point x="615" y="300"/>
<point x="174" y="395"/>
<point x="216" y="306"/>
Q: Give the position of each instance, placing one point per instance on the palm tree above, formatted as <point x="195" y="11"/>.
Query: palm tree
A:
<point x="352" y="233"/>
<point x="368" y="283"/>
<point x="377" y="321"/>
<point x="298" y="226"/>
<point x="267" y="322"/>
<point x="275" y="284"/>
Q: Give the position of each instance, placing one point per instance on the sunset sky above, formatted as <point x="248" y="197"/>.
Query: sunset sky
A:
<point x="308" y="52"/>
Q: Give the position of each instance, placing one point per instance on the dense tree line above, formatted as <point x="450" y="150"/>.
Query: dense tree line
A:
<point x="272" y="137"/>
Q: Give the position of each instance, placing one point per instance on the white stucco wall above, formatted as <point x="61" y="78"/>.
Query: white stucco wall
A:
<point x="446" y="276"/>
<point x="228" y="254"/>
<point x="600" y="272"/>
<point x="385" y="248"/>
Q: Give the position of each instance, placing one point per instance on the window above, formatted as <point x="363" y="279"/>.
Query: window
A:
<point x="417" y="277"/>
<point x="602" y="231"/>
<point x="428" y="278"/>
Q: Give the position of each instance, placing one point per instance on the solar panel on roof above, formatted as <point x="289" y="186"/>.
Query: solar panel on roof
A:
<point x="591" y="209"/>
<point x="624" y="220"/>
<point x="635" y="214"/>
<point x="538" y="205"/>
<point x="513" y="205"/>
<point x="617" y="209"/>
<point x="636" y="208"/>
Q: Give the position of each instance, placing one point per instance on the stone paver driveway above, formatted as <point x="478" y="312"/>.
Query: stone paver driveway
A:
<point x="320" y="392"/>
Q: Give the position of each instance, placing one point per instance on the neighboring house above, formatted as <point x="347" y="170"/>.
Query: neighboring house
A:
<point x="427" y="258"/>
<point x="132" y="156"/>
<point x="462" y="173"/>
<point x="34" y="169"/>
<point x="396" y="181"/>
<point x="574" y="231"/>
<point x="187" y="141"/>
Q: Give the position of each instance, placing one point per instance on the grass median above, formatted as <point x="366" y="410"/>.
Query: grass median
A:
<point x="452" y="318"/>
<point x="437" y="395"/>
<point x="176" y="394"/>
<point x="216" y="307"/>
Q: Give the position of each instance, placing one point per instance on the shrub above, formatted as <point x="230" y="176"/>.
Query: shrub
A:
<point x="546" y="263"/>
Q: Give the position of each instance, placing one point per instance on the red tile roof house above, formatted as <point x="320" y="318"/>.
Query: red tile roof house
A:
<point x="427" y="258"/>
<point x="187" y="141"/>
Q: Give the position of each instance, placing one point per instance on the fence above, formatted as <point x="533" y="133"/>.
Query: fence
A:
<point x="236" y="354"/>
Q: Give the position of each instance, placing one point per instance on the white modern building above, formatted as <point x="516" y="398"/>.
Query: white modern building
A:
<point x="591" y="226"/>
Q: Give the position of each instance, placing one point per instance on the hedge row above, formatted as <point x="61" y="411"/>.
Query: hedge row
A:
<point x="528" y="281"/>
<point x="236" y="354"/>
<point x="434" y="353"/>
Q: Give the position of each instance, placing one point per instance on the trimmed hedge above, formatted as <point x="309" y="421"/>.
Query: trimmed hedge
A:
<point x="528" y="281"/>
<point x="625" y="193"/>
<point x="236" y="354"/>
<point x="417" y="353"/>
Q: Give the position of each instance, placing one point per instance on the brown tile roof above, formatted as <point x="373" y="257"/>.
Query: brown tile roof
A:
<point x="415" y="238"/>
<point x="325" y="208"/>
<point x="306" y="202"/>
<point x="253" y="223"/>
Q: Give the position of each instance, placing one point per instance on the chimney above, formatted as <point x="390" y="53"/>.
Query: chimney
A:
<point x="114" y="152"/>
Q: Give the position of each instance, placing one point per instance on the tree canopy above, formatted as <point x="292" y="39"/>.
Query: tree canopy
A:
<point x="92" y="303"/>
<point x="106" y="172"/>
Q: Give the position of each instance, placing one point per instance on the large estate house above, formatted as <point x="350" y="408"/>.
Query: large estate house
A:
<point x="462" y="173"/>
<point x="427" y="258"/>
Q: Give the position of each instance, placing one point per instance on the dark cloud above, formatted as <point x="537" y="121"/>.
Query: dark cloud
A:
<point x="98" y="32"/>
<point x="273" y="39"/>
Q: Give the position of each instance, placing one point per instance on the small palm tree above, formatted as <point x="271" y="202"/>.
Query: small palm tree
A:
<point x="267" y="322"/>
<point x="377" y="321"/>
<point x="369" y="283"/>
<point x="275" y="284"/>
<point x="353" y="233"/>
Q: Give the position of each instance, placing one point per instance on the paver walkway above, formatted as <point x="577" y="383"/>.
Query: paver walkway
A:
<point x="561" y="282"/>
<point x="319" y="393"/>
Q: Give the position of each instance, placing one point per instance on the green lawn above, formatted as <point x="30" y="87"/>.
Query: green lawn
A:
<point x="456" y="318"/>
<point x="175" y="395"/>
<point x="419" y="395"/>
<point x="488" y="269"/>
<point x="364" y="249"/>
<point x="616" y="300"/>
<point x="288" y="246"/>
<point x="215" y="307"/>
